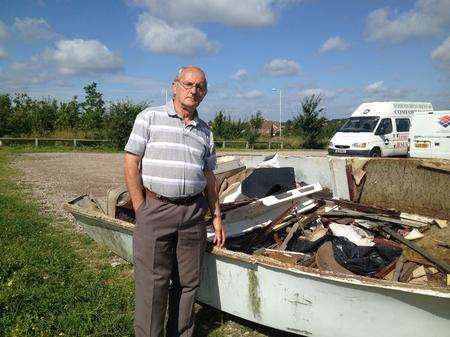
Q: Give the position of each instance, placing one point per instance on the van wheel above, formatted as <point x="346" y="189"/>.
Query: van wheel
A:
<point x="376" y="152"/>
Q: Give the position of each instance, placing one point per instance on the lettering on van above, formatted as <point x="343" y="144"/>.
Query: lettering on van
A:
<point x="413" y="106"/>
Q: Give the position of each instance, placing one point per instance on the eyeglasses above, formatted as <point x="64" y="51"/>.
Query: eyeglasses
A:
<point x="201" y="88"/>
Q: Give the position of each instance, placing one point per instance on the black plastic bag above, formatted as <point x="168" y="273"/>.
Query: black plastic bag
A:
<point x="263" y="182"/>
<point x="361" y="260"/>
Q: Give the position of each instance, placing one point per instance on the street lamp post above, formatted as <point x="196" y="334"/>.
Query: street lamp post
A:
<point x="281" y="137"/>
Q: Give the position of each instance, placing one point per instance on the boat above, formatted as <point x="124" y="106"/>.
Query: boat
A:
<point x="294" y="298"/>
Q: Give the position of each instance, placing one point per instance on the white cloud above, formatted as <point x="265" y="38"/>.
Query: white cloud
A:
<point x="442" y="54"/>
<point x="376" y="87"/>
<point x="281" y="67"/>
<point x="334" y="43"/>
<point x="317" y="91"/>
<point x="69" y="58"/>
<point x="79" y="56"/>
<point x="33" y="28"/>
<point x="158" y="36"/>
<point x="240" y="75"/>
<point x="3" y="31"/>
<point x="250" y="94"/>
<point x="427" y="18"/>
<point x="248" y="13"/>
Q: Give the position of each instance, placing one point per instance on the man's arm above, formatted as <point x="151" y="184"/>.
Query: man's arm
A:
<point x="133" y="179"/>
<point x="212" y="195"/>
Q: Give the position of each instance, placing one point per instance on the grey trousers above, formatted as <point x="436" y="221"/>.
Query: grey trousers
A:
<point x="168" y="244"/>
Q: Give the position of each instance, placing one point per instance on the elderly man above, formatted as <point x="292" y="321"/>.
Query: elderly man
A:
<point x="169" y="163"/>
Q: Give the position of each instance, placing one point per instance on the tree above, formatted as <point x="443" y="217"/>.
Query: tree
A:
<point x="256" y="120"/>
<point x="254" y="124"/>
<point x="224" y="128"/>
<point x="19" y="122"/>
<point x="93" y="109"/>
<point x="68" y="116"/>
<point x="308" y="123"/>
<point x="120" y="120"/>
<point x="42" y="116"/>
<point x="5" y="113"/>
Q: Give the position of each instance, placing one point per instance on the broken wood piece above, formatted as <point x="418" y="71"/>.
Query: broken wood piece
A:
<point x="419" y="276"/>
<point x="438" y="262"/>
<point x="407" y="270"/>
<point x="299" y="224"/>
<point x="286" y="257"/>
<point x="419" y="272"/>
<point x="358" y="174"/>
<point x="435" y="166"/>
<point x="432" y="270"/>
<point x="414" y="235"/>
<point x="264" y="232"/>
<point x="442" y="244"/>
<point x="376" y="217"/>
<point x="441" y="223"/>
<point x="364" y="208"/>
<point x="398" y="268"/>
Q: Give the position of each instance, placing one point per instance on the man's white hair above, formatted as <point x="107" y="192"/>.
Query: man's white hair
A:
<point x="183" y="68"/>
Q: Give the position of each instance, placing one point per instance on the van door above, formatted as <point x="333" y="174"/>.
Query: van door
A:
<point x="385" y="132"/>
<point x="401" y="136"/>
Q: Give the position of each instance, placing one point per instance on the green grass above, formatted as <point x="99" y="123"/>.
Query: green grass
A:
<point x="46" y="287"/>
<point x="30" y="148"/>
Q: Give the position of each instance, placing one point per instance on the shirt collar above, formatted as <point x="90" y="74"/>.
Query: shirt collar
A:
<point x="172" y="113"/>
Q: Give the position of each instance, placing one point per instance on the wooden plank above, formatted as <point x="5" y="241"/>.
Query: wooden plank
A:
<point x="398" y="268"/>
<point x="262" y="235"/>
<point x="363" y="207"/>
<point x="376" y="217"/>
<point x="299" y="224"/>
<point x="438" y="262"/>
<point x="436" y="166"/>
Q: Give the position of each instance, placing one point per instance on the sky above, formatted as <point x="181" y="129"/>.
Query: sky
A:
<point x="349" y="52"/>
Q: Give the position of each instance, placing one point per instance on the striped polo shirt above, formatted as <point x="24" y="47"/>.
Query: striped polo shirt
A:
<point x="173" y="155"/>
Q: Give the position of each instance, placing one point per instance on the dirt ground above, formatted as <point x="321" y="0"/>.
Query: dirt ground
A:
<point x="56" y="178"/>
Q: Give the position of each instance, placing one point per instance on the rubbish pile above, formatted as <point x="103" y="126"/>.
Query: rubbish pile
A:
<point x="330" y="235"/>
<point x="266" y="212"/>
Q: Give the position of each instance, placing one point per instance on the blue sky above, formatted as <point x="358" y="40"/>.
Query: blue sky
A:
<point x="347" y="51"/>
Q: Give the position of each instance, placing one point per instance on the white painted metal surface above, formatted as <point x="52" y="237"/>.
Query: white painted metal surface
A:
<point x="312" y="305"/>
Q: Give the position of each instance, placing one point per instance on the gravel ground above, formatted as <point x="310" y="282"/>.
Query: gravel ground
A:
<point x="56" y="178"/>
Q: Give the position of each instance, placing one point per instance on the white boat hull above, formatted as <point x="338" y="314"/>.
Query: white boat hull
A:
<point x="296" y="299"/>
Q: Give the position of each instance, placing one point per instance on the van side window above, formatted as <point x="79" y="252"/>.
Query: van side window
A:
<point x="385" y="126"/>
<point x="402" y="124"/>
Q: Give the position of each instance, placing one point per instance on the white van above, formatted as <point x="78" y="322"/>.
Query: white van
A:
<point x="377" y="129"/>
<point x="430" y="135"/>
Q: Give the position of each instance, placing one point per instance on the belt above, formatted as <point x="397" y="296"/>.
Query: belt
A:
<point x="176" y="201"/>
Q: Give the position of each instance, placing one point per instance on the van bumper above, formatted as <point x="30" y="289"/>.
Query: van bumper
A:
<point x="348" y="152"/>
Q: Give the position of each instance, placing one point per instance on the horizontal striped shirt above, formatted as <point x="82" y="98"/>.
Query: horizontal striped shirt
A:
<point x="173" y="155"/>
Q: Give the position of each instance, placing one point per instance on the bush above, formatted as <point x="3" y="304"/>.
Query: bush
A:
<point x="120" y="120"/>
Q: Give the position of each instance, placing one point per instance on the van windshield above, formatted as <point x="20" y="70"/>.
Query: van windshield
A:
<point x="360" y="124"/>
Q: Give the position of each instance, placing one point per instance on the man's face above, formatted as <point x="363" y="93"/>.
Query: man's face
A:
<point x="190" y="88"/>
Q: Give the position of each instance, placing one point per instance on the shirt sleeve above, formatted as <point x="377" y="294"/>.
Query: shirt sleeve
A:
<point x="210" y="158"/>
<point x="138" y="139"/>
